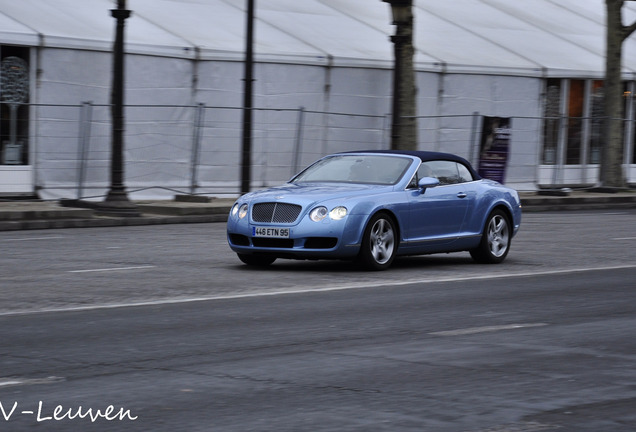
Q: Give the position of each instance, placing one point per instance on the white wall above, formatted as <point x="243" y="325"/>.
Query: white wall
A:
<point x="493" y="96"/>
<point x="156" y="141"/>
<point x="159" y="140"/>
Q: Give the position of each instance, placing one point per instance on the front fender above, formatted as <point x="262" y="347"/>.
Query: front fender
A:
<point x="354" y="228"/>
<point x="363" y="212"/>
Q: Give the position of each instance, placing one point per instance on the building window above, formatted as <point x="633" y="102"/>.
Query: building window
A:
<point x="596" y="122"/>
<point x="632" y="99"/>
<point x="576" y="104"/>
<point x="630" y="123"/>
<point x="14" y="108"/>
<point x="573" y="132"/>
<point x="552" y="122"/>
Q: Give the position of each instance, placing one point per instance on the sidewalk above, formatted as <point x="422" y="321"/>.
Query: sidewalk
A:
<point x="23" y="215"/>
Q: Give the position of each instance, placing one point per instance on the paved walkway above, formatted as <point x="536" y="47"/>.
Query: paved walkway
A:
<point x="22" y="214"/>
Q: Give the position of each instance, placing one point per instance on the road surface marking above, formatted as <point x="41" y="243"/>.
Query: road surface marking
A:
<point x="111" y="269"/>
<point x="624" y="238"/>
<point x="8" y="382"/>
<point x="486" y="329"/>
<point x="33" y="238"/>
<point x="307" y="289"/>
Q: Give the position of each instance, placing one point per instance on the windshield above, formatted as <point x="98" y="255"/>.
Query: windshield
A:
<point x="383" y="170"/>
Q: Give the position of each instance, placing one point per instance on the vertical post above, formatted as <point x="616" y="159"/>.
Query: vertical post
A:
<point x="611" y="176"/>
<point x="629" y="124"/>
<point x="196" y="145"/>
<point x="86" y="117"/>
<point x="396" y="121"/>
<point x="246" y="151"/>
<point x="13" y="123"/>
<point x="116" y="202"/>
<point x="299" y="140"/>
<point x="474" y="147"/>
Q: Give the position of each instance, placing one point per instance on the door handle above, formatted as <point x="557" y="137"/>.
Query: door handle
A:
<point x="461" y="195"/>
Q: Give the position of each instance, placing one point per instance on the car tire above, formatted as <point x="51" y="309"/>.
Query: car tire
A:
<point x="256" y="260"/>
<point x="495" y="240"/>
<point x="379" y="243"/>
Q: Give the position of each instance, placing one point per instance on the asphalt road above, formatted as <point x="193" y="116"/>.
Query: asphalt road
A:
<point x="164" y="324"/>
<point x="78" y="268"/>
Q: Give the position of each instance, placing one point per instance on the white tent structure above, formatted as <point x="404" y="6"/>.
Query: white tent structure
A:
<point x="496" y="58"/>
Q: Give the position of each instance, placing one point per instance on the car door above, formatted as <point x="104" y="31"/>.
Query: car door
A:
<point x="437" y="214"/>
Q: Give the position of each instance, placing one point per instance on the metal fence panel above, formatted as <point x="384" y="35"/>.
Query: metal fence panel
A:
<point x="172" y="149"/>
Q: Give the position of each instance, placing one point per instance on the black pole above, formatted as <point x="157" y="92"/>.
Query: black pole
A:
<point x="396" y="126"/>
<point x="116" y="201"/>
<point x="246" y="158"/>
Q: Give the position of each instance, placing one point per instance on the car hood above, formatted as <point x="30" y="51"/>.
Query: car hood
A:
<point x="309" y="193"/>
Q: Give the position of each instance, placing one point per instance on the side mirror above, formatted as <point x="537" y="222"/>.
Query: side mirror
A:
<point x="427" y="182"/>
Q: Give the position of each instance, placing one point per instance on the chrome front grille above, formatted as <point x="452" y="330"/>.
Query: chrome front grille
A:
<point x="274" y="212"/>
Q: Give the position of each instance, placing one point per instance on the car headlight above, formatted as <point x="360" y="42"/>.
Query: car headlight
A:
<point x="240" y="210"/>
<point x="338" y="213"/>
<point x="318" y="214"/>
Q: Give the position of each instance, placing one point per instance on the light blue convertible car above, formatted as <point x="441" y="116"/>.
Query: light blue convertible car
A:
<point x="372" y="206"/>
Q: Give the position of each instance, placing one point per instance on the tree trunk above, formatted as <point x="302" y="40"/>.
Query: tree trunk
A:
<point x="404" y="127"/>
<point x="611" y="173"/>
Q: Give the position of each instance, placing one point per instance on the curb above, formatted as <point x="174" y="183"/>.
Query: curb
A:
<point x="15" y="216"/>
<point x="104" y="222"/>
<point x="585" y="201"/>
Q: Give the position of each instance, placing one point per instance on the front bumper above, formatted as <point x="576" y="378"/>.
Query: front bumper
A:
<point x="328" y="239"/>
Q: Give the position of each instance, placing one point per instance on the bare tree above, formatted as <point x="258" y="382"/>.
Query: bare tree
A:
<point x="611" y="174"/>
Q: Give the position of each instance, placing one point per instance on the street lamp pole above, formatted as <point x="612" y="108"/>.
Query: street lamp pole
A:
<point x="246" y="151"/>
<point x="404" y="122"/>
<point x="117" y="202"/>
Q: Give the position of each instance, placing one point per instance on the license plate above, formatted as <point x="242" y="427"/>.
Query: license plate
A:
<point x="270" y="232"/>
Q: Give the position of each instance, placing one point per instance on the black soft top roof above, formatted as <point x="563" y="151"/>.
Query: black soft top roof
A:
<point x="426" y="156"/>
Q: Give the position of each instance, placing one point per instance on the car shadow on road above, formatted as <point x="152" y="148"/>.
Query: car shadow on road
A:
<point x="335" y="266"/>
